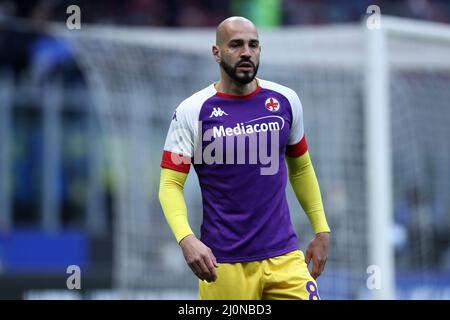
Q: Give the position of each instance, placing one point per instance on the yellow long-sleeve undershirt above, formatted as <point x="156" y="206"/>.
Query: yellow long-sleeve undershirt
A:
<point x="172" y="202"/>
<point x="306" y="187"/>
<point x="301" y="175"/>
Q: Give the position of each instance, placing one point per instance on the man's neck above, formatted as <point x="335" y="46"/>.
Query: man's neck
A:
<point x="236" y="89"/>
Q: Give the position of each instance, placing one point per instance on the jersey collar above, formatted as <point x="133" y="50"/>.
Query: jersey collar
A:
<point x="231" y="96"/>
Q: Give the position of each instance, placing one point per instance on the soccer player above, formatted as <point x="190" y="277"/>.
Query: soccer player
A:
<point x="248" y="248"/>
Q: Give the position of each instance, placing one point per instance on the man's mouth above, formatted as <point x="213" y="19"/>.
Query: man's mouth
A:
<point x="245" y="66"/>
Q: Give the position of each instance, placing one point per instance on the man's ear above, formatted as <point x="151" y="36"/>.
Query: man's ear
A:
<point x="216" y="53"/>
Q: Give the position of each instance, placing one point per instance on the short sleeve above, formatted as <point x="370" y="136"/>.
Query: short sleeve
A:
<point x="180" y="140"/>
<point x="297" y="145"/>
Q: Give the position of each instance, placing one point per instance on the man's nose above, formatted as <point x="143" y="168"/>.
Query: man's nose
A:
<point x="246" y="52"/>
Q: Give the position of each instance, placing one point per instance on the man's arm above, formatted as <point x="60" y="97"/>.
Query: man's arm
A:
<point x="306" y="187"/>
<point x="198" y="256"/>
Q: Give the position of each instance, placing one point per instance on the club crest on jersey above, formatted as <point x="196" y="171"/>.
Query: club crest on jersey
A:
<point x="272" y="104"/>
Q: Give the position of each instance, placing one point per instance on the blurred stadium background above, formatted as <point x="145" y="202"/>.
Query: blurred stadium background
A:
<point x="84" y="114"/>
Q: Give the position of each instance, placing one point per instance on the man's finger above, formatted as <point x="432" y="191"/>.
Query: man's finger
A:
<point x="216" y="265"/>
<point x="322" y="265"/>
<point x="204" y="270"/>
<point x="308" y="257"/>
<point x="320" y="269"/>
<point x="212" y="270"/>
<point x="195" y="270"/>
<point x="315" y="270"/>
<point x="214" y="260"/>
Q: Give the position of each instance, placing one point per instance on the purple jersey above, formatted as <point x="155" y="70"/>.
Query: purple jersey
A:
<point x="237" y="145"/>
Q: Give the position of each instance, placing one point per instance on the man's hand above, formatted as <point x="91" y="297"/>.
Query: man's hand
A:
<point x="318" y="251"/>
<point x="200" y="258"/>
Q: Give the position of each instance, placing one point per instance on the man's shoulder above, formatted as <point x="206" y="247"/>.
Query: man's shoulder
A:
<point x="195" y="101"/>
<point x="289" y="93"/>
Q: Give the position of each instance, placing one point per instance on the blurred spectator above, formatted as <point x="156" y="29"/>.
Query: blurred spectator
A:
<point x="428" y="10"/>
<point x="202" y="13"/>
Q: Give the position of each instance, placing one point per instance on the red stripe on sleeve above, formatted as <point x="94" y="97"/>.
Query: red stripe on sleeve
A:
<point x="298" y="149"/>
<point x="175" y="162"/>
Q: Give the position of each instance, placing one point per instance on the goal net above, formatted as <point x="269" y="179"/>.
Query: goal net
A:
<point x="138" y="76"/>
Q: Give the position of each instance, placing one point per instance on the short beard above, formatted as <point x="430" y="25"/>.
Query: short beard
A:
<point x="232" y="72"/>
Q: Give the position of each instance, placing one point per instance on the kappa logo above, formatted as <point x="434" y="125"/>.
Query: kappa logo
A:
<point x="217" y="112"/>
<point x="272" y="104"/>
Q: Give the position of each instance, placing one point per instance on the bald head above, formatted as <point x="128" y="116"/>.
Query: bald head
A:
<point x="233" y="25"/>
<point x="237" y="50"/>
